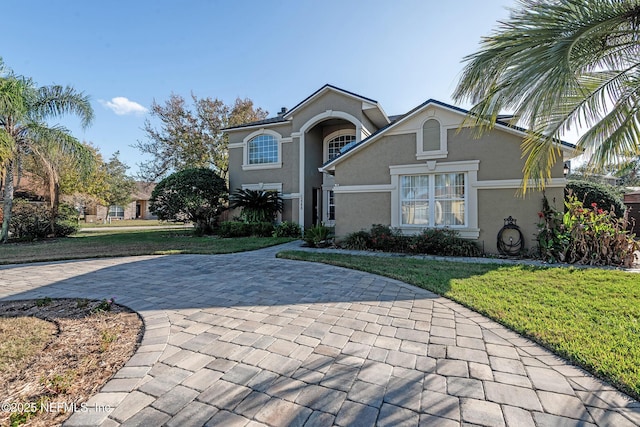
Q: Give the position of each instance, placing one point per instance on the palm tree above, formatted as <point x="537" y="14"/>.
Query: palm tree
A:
<point x="257" y="205"/>
<point x="24" y="107"/>
<point x="557" y="65"/>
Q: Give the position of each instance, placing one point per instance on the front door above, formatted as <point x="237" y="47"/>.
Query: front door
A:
<point x="317" y="206"/>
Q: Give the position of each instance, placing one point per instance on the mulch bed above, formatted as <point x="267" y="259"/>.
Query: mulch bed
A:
<point x="94" y="340"/>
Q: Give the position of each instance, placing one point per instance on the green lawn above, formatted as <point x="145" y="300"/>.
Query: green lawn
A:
<point x="129" y="223"/>
<point x="589" y="316"/>
<point x="109" y="243"/>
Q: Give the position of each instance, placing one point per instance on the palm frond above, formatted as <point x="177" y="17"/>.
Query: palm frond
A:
<point x="257" y="205"/>
<point x="51" y="142"/>
<point x="54" y="101"/>
<point x="556" y="65"/>
<point x="15" y="96"/>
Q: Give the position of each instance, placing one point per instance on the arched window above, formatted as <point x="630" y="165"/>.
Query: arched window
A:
<point x="263" y="149"/>
<point x="431" y="135"/>
<point x="334" y="145"/>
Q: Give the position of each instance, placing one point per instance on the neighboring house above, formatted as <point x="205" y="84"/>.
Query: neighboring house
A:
<point x="138" y="208"/>
<point x="338" y="159"/>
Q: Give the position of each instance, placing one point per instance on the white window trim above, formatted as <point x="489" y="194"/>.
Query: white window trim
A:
<point x="332" y="135"/>
<point x="245" y="151"/>
<point x="117" y="209"/>
<point x="269" y="186"/>
<point x="432" y="154"/>
<point x="470" y="168"/>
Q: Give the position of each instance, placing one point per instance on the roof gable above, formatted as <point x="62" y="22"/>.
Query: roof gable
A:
<point x="324" y="89"/>
<point x="399" y="120"/>
<point x="370" y="107"/>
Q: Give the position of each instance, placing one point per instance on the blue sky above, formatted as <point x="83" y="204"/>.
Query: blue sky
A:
<point x="125" y="54"/>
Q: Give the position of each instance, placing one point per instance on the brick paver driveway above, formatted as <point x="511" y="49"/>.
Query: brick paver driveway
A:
<point x="247" y="339"/>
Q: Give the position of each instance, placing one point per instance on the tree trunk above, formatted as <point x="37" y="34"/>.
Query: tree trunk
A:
<point x="55" y="203"/>
<point x="8" y="202"/>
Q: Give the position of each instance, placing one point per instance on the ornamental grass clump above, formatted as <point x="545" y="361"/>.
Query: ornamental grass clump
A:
<point x="585" y="235"/>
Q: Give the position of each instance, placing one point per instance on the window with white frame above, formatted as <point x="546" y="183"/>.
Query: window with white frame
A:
<point x="262" y="149"/>
<point x="334" y="145"/>
<point x="331" y="206"/>
<point x="116" y="211"/>
<point x="433" y="200"/>
<point x="431" y="135"/>
<point x="431" y="140"/>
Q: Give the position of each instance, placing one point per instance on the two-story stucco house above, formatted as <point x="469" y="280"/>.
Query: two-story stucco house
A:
<point x="337" y="158"/>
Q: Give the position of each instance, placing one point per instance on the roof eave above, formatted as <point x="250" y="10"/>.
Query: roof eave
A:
<point x="566" y="147"/>
<point x="257" y="125"/>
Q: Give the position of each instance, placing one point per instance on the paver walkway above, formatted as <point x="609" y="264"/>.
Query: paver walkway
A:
<point x="248" y="339"/>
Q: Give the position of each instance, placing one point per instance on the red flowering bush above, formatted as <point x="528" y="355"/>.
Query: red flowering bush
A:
<point x="582" y="235"/>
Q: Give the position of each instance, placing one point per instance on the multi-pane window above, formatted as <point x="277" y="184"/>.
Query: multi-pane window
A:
<point x="449" y="199"/>
<point x="338" y="143"/>
<point x="116" y="211"/>
<point x="331" y="213"/>
<point x="263" y="149"/>
<point x="436" y="200"/>
<point x="414" y="199"/>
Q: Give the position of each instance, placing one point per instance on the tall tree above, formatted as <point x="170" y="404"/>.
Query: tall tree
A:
<point x="191" y="137"/>
<point x="82" y="186"/>
<point x="118" y="186"/>
<point x="50" y="163"/>
<point x="24" y="109"/>
<point x="561" y="64"/>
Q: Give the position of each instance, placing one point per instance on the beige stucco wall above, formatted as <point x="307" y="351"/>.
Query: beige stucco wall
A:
<point x="496" y="205"/>
<point x="289" y="173"/>
<point x="330" y="101"/>
<point x="499" y="153"/>
<point x="352" y="208"/>
<point x="371" y="164"/>
<point x="499" y="156"/>
<point x="238" y="135"/>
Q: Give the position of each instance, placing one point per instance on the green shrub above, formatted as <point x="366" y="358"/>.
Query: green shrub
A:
<point x="262" y="229"/>
<point x="433" y="241"/>
<point x="383" y="238"/>
<point x="245" y="229"/>
<point x="604" y="195"/>
<point x="585" y="235"/>
<point x="67" y="221"/>
<point x="357" y="241"/>
<point x="287" y="229"/>
<point x="234" y="229"/>
<point x="29" y="220"/>
<point x="197" y="195"/>
<point x="318" y="236"/>
<point x="446" y="242"/>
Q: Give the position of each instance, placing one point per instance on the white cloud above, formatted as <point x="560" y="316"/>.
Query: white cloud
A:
<point x="121" y="106"/>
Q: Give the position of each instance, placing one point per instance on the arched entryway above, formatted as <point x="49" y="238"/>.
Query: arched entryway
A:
<point x="321" y="137"/>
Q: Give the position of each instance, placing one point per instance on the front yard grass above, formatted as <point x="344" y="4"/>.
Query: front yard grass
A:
<point x="114" y="242"/>
<point x="129" y="223"/>
<point x="588" y="316"/>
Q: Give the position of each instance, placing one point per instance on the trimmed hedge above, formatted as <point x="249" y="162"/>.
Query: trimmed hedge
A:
<point x="433" y="241"/>
<point x="605" y="196"/>
<point x="245" y="229"/>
